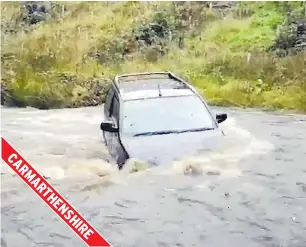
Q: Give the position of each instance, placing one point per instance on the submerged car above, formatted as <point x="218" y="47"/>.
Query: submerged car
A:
<point x="157" y="118"/>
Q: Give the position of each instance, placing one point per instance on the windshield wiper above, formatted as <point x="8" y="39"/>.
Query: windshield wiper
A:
<point x="166" y="132"/>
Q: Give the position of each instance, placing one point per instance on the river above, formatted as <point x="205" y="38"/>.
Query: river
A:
<point x="251" y="193"/>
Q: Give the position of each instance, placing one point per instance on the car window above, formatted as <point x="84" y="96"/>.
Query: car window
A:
<point x="108" y="101"/>
<point x="114" y="111"/>
<point x="165" y="114"/>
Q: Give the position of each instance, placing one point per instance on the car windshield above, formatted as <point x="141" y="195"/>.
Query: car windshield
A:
<point x="165" y="115"/>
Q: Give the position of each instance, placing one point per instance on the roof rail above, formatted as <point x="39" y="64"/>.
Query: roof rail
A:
<point x="168" y="73"/>
<point x="145" y="73"/>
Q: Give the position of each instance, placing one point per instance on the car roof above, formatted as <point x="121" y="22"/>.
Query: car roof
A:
<point x="150" y="94"/>
<point x="151" y="85"/>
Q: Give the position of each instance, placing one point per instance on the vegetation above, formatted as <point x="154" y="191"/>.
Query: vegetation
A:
<point x="65" y="54"/>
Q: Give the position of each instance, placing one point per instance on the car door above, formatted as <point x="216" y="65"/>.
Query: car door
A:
<point x="107" y="111"/>
<point x="108" y="102"/>
<point x="113" y="138"/>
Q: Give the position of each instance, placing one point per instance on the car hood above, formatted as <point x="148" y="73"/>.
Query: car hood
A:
<point x="158" y="149"/>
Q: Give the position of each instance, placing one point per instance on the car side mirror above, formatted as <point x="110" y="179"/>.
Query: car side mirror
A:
<point x="221" y="117"/>
<point x="108" y="126"/>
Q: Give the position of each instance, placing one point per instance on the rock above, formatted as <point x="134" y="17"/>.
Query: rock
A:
<point x="291" y="38"/>
<point x="35" y="12"/>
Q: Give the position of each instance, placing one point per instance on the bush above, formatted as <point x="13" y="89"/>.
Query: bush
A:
<point x="230" y="51"/>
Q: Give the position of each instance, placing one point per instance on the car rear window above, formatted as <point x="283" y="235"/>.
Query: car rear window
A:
<point x="165" y="114"/>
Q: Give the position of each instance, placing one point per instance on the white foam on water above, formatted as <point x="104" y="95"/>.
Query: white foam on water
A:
<point x="240" y="143"/>
<point x="78" y="168"/>
<point x="84" y="174"/>
<point x="72" y="118"/>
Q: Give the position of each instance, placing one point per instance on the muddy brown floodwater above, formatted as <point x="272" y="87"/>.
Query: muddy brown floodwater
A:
<point x="251" y="193"/>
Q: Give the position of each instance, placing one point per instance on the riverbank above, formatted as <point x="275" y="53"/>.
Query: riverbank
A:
<point x="236" y="55"/>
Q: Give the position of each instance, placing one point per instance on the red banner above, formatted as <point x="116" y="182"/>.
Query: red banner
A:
<point x="50" y="196"/>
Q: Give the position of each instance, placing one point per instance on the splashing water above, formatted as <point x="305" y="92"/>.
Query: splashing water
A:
<point x="239" y="143"/>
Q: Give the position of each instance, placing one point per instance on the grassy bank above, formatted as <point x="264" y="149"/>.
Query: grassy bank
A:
<point x="244" y="56"/>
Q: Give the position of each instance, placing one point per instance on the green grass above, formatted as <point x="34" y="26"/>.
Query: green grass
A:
<point x="68" y="61"/>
